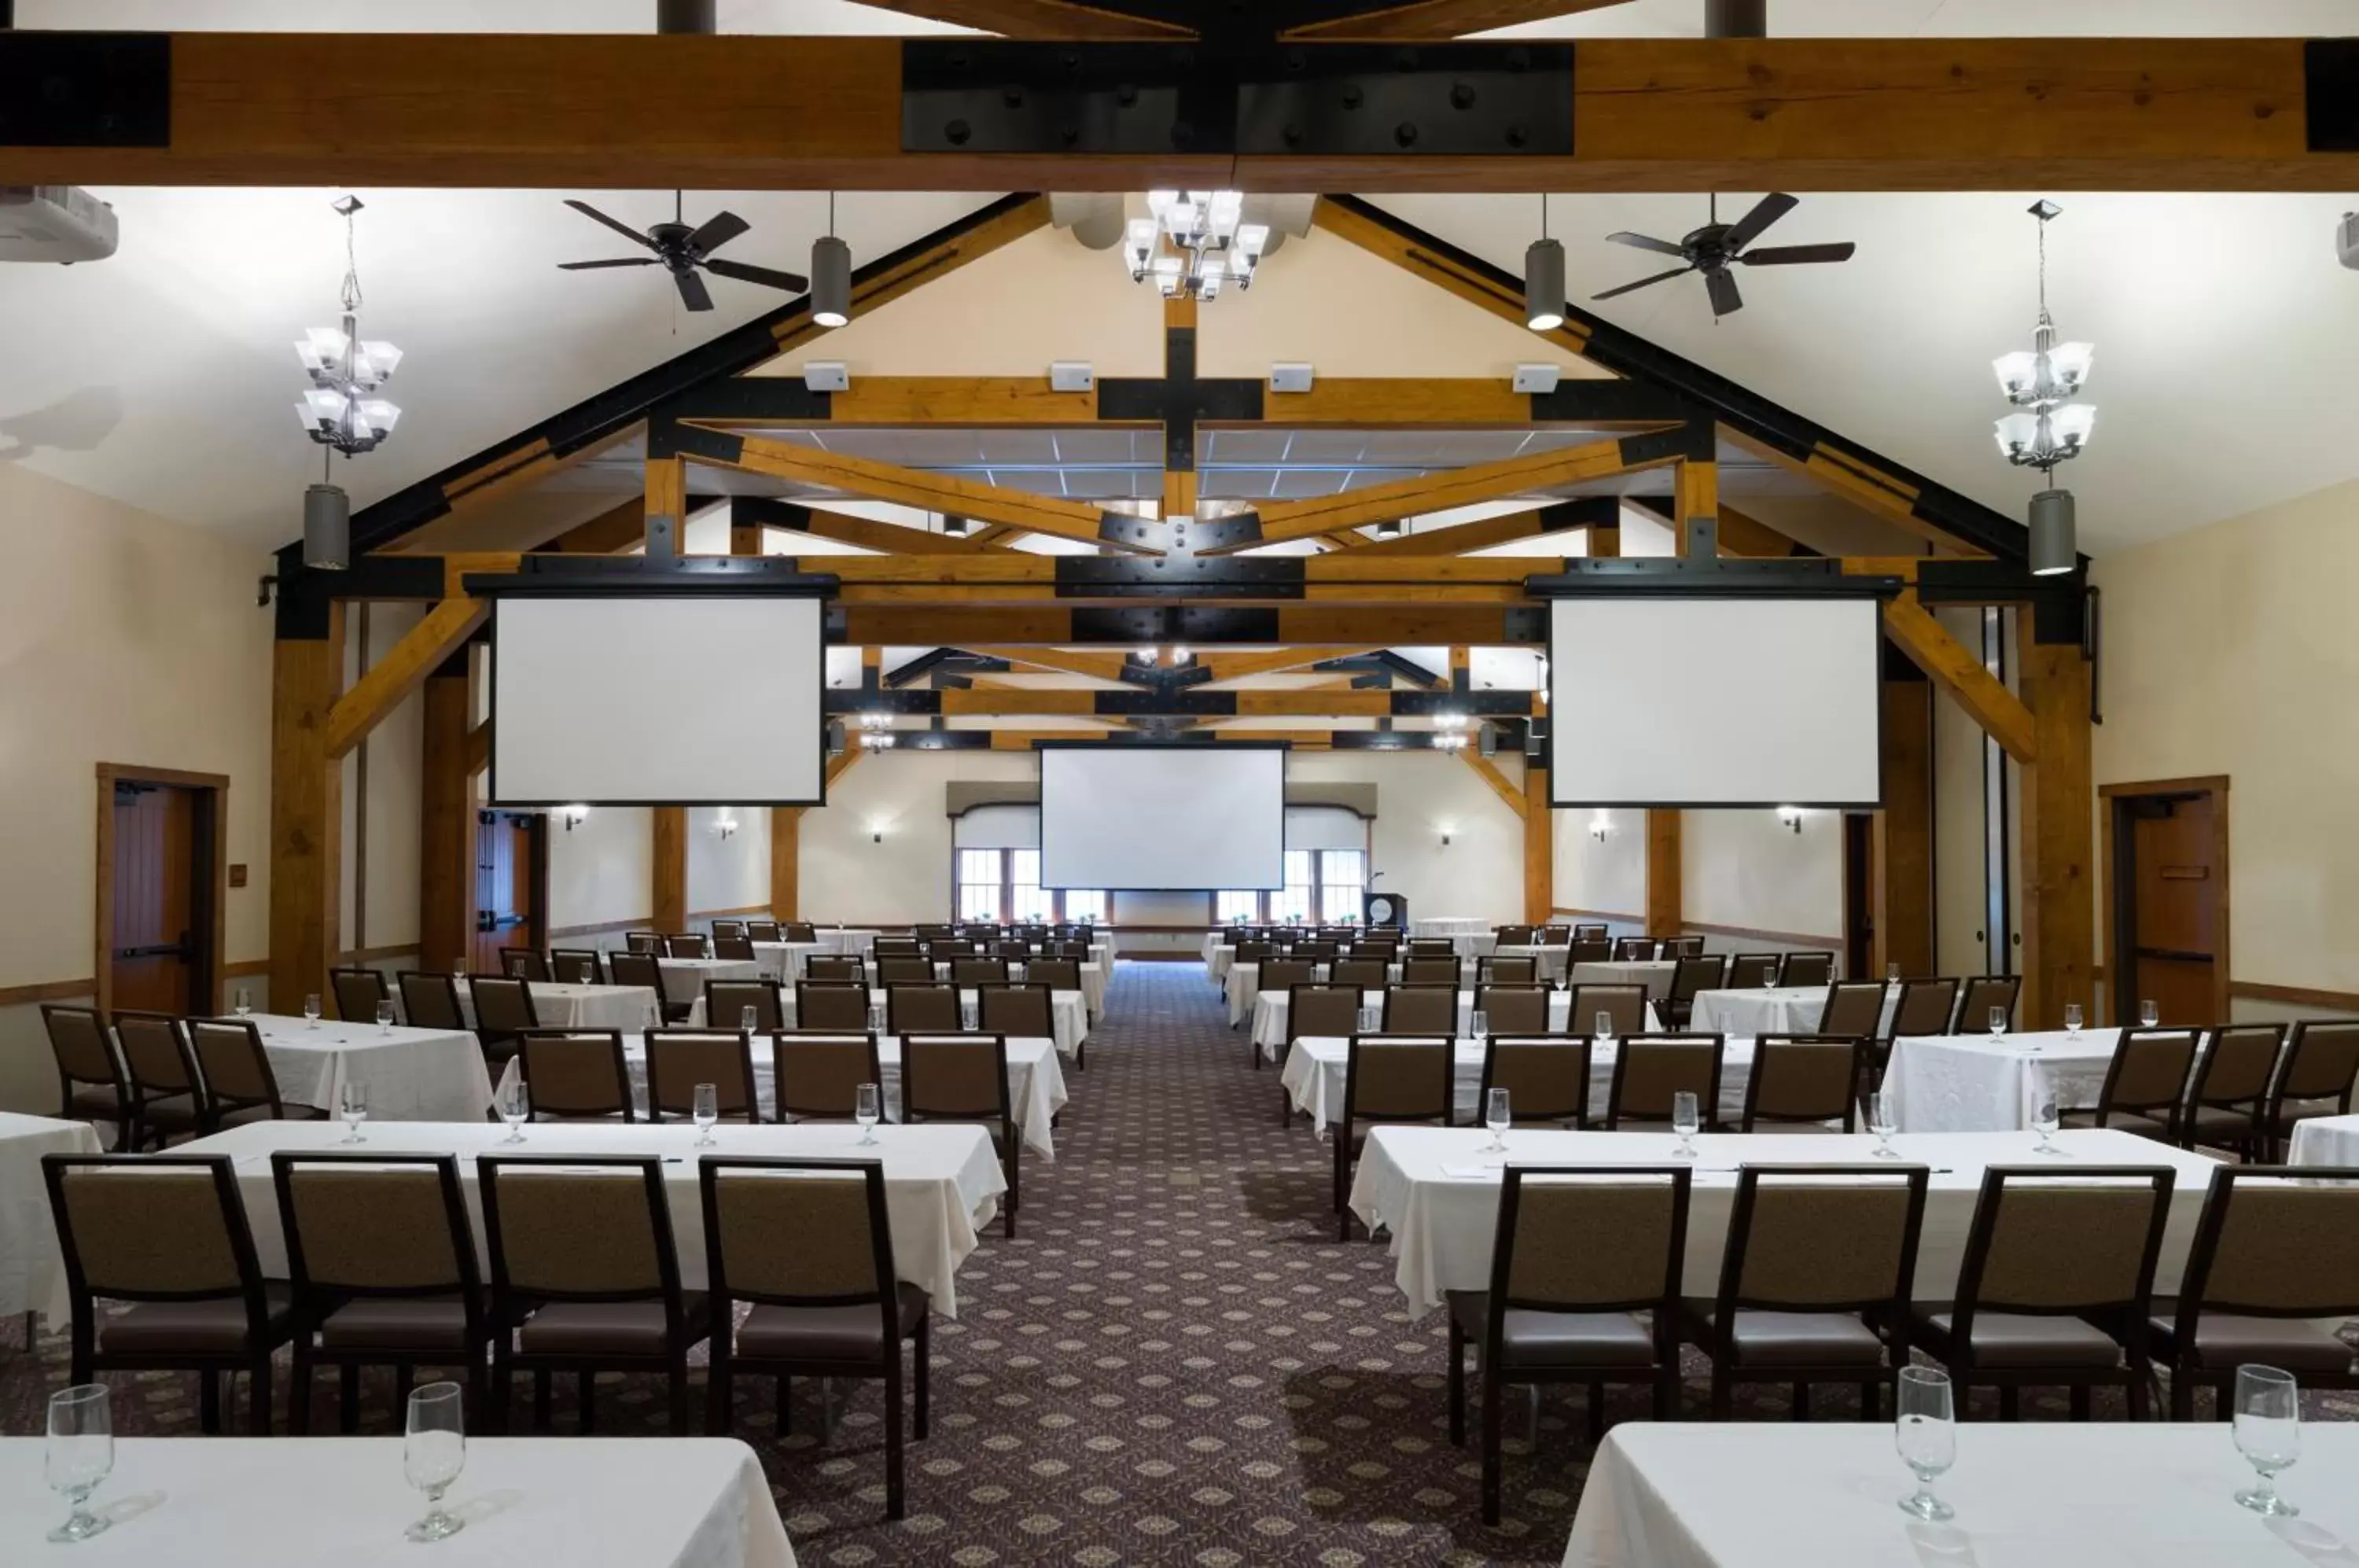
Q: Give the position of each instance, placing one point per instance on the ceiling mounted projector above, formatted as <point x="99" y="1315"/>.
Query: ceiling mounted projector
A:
<point x="54" y="222"/>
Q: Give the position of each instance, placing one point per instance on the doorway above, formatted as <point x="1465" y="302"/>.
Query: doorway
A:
<point x="511" y="885"/>
<point x="2167" y="858"/>
<point x="161" y="888"/>
<point x="1859" y="881"/>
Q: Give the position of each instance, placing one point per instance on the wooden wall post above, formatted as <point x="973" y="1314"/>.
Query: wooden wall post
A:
<point x="786" y="862"/>
<point x="2058" y="832"/>
<point x="667" y="495"/>
<point x="1663" y="917"/>
<point x="1903" y="894"/>
<point x="1539" y="845"/>
<point x="446" y="825"/>
<point x="307" y="816"/>
<point x="669" y="826"/>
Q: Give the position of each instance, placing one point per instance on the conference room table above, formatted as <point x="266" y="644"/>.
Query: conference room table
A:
<point x="1773" y="1009"/>
<point x="1067" y="1017"/>
<point x="559" y="1004"/>
<point x="2325" y="1140"/>
<point x="296" y="1502"/>
<point x="1654" y="974"/>
<point x="32" y="1274"/>
<point x="1551" y="959"/>
<point x="1471" y="936"/>
<point x="1092" y="976"/>
<point x="1437" y="1191"/>
<point x="684" y="978"/>
<point x="2028" y="1494"/>
<point x="1244" y="984"/>
<point x="1271" y="1008"/>
<point x="1315" y="1067"/>
<point x="411" y="1075"/>
<point x="943" y="1180"/>
<point x="1974" y="1083"/>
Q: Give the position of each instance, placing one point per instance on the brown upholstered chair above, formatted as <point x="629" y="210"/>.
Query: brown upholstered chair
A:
<point x="828" y="1005"/>
<point x="1277" y="974"/>
<point x="1546" y="1077"/>
<point x="1588" y="950"/>
<point x="576" y="1074"/>
<point x="1581" y="1252"/>
<point x="167" y="1098"/>
<point x="1983" y="993"/>
<point x="431" y="1001"/>
<point x="968" y="972"/>
<point x="2050" y="1255"/>
<point x="809" y="1244"/>
<point x="1625" y="1004"/>
<point x="687" y="944"/>
<point x="1390" y="1080"/>
<point x="240" y="1086"/>
<point x="1416" y="971"/>
<point x="92" y="1085"/>
<point x="1924" y="1008"/>
<point x="1422" y="1009"/>
<point x="681" y="1059"/>
<point x="1432" y="947"/>
<point x="357" y="992"/>
<point x="381" y="1260"/>
<point x="905" y="971"/>
<point x="1689" y="975"/>
<point x="2232" y="1088"/>
<point x="1635" y="949"/>
<point x="1651" y="1069"/>
<point x="728" y="928"/>
<point x="963" y="1078"/>
<point x="1807" y="968"/>
<point x="1589" y="930"/>
<point x="737" y="949"/>
<point x="1814" y="1284"/>
<point x="168" y="1234"/>
<point x="646" y="971"/>
<point x="1316" y="1012"/>
<point x="1360" y="974"/>
<point x="1513" y="936"/>
<point x="1021" y="1012"/>
<point x="1750" y="971"/>
<point x="2277" y="1249"/>
<point x="816" y="1075"/>
<point x="1514" y="1009"/>
<point x="522" y="963"/>
<point x="840" y="966"/>
<point x="725" y="1002"/>
<point x="932" y="1008"/>
<point x="800" y="930"/>
<point x="762" y="930"/>
<point x="2145" y="1084"/>
<point x="1057" y="973"/>
<point x="1809" y="1079"/>
<point x="647" y="942"/>
<point x="1853" y="1008"/>
<point x="584" y="1277"/>
<point x="2314" y="1077"/>
<point x="503" y="1011"/>
<point x="1492" y="970"/>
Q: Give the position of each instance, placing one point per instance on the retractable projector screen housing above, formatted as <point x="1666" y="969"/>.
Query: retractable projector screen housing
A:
<point x="1714" y="701"/>
<point x="1142" y="818"/>
<point x="688" y="700"/>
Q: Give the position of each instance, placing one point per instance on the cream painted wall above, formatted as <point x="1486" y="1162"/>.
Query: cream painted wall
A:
<point x="1748" y="869"/>
<point x="1479" y="873"/>
<point x="731" y="873"/>
<point x="1604" y="877"/>
<point x="1959" y="879"/>
<point x="124" y="638"/>
<point x="601" y="872"/>
<point x="845" y="876"/>
<point x="395" y="757"/>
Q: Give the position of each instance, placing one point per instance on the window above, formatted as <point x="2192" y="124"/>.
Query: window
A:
<point x="1083" y="908"/>
<point x="1293" y="902"/>
<point x="1326" y="883"/>
<point x="1236" y="906"/>
<point x="1343" y="880"/>
<point x="1003" y="886"/>
<point x="978" y="884"/>
<point x="1026" y="900"/>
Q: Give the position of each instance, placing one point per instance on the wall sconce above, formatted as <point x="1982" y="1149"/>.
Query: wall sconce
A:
<point x="1447" y="829"/>
<point x="876" y="826"/>
<point x="724" y="826"/>
<point x="1790" y="817"/>
<point x="572" y="816"/>
<point x="1600" y="825"/>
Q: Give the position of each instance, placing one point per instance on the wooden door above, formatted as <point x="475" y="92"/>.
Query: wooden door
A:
<point x="1860" y="880"/>
<point x="510" y="870"/>
<point x="153" y="942"/>
<point x="2170" y="905"/>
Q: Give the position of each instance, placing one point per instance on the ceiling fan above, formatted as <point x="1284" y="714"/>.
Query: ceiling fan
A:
<point x="1716" y="246"/>
<point x="684" y="250"/>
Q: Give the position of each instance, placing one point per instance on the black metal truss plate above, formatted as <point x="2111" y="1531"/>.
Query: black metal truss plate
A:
<point x="1200" y="627"/>
<point x="1101" y="576"/>
<point x="943" y="740"/>
<point x="2330" y="68"/>
<point x="85" y="89"/>
<point x="1450" y="100"/>
<point x="1797" y="577"/>
<point x="1180" y="536"/>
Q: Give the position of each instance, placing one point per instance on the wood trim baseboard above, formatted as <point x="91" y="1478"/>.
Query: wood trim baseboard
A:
<point x="761" y="909"/>
<point x="1704" y="928"/>
<point x="245" y="968"/>
<point x="2301" y="996"/>
<point x="49" y="991"/>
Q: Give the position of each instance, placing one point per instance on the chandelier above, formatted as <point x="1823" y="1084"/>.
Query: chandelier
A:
<point x="877" y="730"/>
<point x="2049" y="427"/>
<point x="340" y="411"/>
<point x="1196" y="244"/>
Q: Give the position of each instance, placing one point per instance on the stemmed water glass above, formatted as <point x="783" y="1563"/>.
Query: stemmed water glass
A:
<point x="1498" y="1118"/>
<point x="432" y="1455"/>
<point x="1879" y="1122"/>
<point x="1892" y="975"/>
<point x="1684" y="1122"/>
<point x="312" y="1010"/>
<point x="1998" y="1026"/>
<point x="1603" y="1025"/>
<point x="747" y="1020"/>
<point x="2267" y="1429"/>
<point x="2072" y="1020"/>
<point x="384" y="1018"/>
<point x="707" y="1111"/>
<point x="1480" y="1023"/>
<point x="244" y="1003"/>
<point x="515" y="1108"/>
<point x="2148" y="1014"/>
<point x="2045" y="1121"/>
<point x="1927" y="1437"/>
<point x="868" y="1109"/>
<point x="80" y="1455"/>
<point x="352" y="1101"/>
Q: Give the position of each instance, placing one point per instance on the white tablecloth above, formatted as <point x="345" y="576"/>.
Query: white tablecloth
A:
<point x="1244" y="984"/>
<point x="1066" y="1014"/>
<point x="412" y="1074"/>
<point x="941" y="1180"/>
<point x="1773" y="1009"/>
<point x="1439" y="1196"/>
<point x="297" y="1502"/>
<point x="559" y="1005"/>
<point x="1313" y="1077"/>
<point x="684" y="978"/>
<point x="1271" y="1008"/>
<point x="1967" y="1083"/>
<point x="1449" y="925"/>
<point x="851" y="940"/>
<point x="2028" y="1494"/>
<point x="32" y="1275"/>
<point x="1654" y="974"/>
<point x="1092" y="976"/>
<point x="2325" y="1140"/>
<point x="785" y="961"/>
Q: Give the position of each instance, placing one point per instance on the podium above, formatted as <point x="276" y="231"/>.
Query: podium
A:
<point x="1381" y="910"/>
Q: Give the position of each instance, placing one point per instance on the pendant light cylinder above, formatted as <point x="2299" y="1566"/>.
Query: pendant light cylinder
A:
<point x="2055" y="548"/>
<point x="685" y="16"/>
<point x="1544" y="286"/>
<point x="831" y="273"/>
<point x="327" y="528"/>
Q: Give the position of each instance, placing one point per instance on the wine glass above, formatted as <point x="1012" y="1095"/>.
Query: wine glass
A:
<point x="876" y="1017"/>
<point x="433" y="1452"/>
<point x="1879" y="1122"/>
<point x="79" y="1455"/>
<point x="1481" y="1023"/>
<point x="245" y="1002"/>
<point x="352" y="1100"/>
<point x="1603" y="1024"/>
<point x="747" y="1020"/>
<point x="968" y="1011"/>
<point x="1926" y="1436"/>
<point x="1769" y="978"/>
<point x="2045" y="1121"/>
<point x="1998" y="1026"/>
<point x="1496" y="1116"/>
<point x="2148" y="1014"/>
<point x="2267" y="1429"/>
<point x="312" y="1010"/>
<point x="384" y="1018"/>
<point x="868" y="1109"/>
<point x="1684" y="1122"/>
<point x="2072" y="1020"/>
<point x="1892" y="975"/>
<point x="1371" y="1019"/>
<point x="515" y="1108"/>
<point x="707" y="1112"/>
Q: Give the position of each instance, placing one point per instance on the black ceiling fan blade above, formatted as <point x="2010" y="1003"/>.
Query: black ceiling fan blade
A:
<point x="691" y="290"/>
<point x="715" y="232"/>
<point x="792" y="282"/>
<point x="1643" y="282"/>
<point x="1788" y="256"/>
<point x="1645" y="241"/>
<point x="1726" y="300"/>
<point x="1765" y="212"/>
<point x="616" y="224"/>
<point x="623" y="261"/>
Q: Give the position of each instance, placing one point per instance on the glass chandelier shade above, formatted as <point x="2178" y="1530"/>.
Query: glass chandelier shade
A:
<point x="336" y="411"/>
<point x="1194" y="243"/>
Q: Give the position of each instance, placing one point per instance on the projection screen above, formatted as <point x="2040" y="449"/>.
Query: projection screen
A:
<point x="1156" y="817"/>
<point x="688" y="700"/>
<point x="1714" y="701"/>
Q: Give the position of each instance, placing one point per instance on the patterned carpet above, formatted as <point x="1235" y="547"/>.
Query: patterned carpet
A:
<point x="1174" y="1363"/>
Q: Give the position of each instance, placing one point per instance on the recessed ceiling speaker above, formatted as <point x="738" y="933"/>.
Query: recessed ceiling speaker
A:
<point x="327" y="528"/>
<point x="2055" y="548"/>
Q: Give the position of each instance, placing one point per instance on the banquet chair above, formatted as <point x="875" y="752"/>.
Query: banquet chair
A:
<point x="1021" y="1012"/>
<point x="687" y="944"/>
<point x="971" y="972"/>
<point x="1688" y="975"/>
<point x="1315" y="1012"/>
<point x="1492" y="970"/>
<point x="2313" y="1079"/>
<point x="522" y="963"/>
<point x="725" y="1002"/>
<point x="831" y="1004"/>
<point x="644" y="942"/>
<point x="1422" y="1009"/>
<point x="1057" y="973"/>
<point x="92" y="1085"/>
<point x="1924" y="1008"/>
<point x="1253" y="952"/>
<point x="1587" y="950"/>
<point x="1416" y="970"/>
<point x="1276" y="975"/>
<point x="897" y="947"/>
<point x="1513" y="936"/>
<point x="1390" y="1080"/>
<point x="1546" y="1077"/>
<point x="1809" y="1079"/>
<point x="2277" y="1250"/>
<point x="1579" y="1254"/>
<point x="925" y="930"/>
<point x="357" y="992"/>
<point x="2145" y="1083"/>
<point x="2050" y="1254"/>
<point x="1984" y="992"/>
<point x="1807" y="968"/>
<point x="2232" y="1086"/>
<point x="1514" y="1009"/>
<point x="813" y="1256"/>
<point x="381" y="1264"/>
<point x="1317" y="952"/>
<point x="1432" y="947"/>
<point x="1814" y="1281"/>
<point x="503" y="1009"/>
<point x="681" y="1059"/>
<point x="1677" y="947"/>
<point x="840" y="966"/>
<point x="762" y="930"/>
<point x="1361" y="974"/>
<point x="1853" y="1008"/>
<point x="168" y="1234"/>
<point x="645" y="971"/>
<point x="963" y="1078"/>
<point x="737" y="949"/>
<point x="1553" y="935"/>
<point x="931" y="1007"/>
<point x="575" y="1075"/>
<point x="239" y="1084"/>
<point x="1625" y="1004"/>
<point x="799" y="931"/>
<point x="1750" y="971"/>
<point x="431" y="1001"/>
<point x="1591" y="930"/>
<point x="728" y="927"/>
<point x="576" y="965"/>
<point x="816" y="1075"/>
<point x="1651" y="1069"/>
<point x="1634" y="948"/>
<point x="903" y="971"/>
<point x="167" y="1093"/>
<point x="584" y="1277"/>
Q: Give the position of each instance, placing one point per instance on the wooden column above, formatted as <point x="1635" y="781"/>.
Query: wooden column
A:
<point x="307" y="816"/>
<point x="786" y="862"/>
<point x="1904" y="832"/>
<point x="446" y="824"/>
<point x="2058" y="856"/>
<point x="1539" y="845"/>
<point x="1663" y="917"/>
<point x="667" y="495"/>
<point x="1695" y="494"/>
<point x="669" y="826"/>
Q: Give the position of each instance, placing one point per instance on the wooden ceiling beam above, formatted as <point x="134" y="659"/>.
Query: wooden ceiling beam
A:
<point x="403" y="670"/>
<point x="1242" y="665"/>
<point x="1529" y="474"/>
<point x="1510" y="795"/>
<point x="1081" y="702"/>
<point x="610" y="532"/>
<point x="792" y="518"/>
<point x="1340" y="628"/>
<point x="1100" y="666"/>
<point x="1062" y="20"/>
<point x="1424" y="19"/>
<point x="1953" y="667"/>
